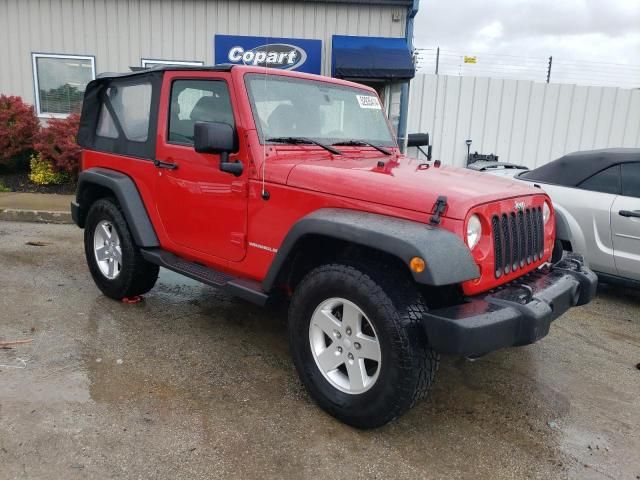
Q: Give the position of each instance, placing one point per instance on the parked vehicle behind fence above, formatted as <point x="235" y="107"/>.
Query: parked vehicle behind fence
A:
<point x="596" y="195"/>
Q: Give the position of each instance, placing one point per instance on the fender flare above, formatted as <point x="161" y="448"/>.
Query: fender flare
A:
<point x="128" y="196"/>
<point x="568" y="229"/>
<point x="448" y="259"/>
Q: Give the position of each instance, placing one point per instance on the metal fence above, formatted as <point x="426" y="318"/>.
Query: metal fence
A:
<point x="521" y="121"/>
<point x="517" y="67"/>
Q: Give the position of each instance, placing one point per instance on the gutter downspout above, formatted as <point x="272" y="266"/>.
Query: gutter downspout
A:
<point x="404" y="91"/>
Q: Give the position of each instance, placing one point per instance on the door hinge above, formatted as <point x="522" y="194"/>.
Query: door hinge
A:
<point x="238" y="238"/>
<point x="241" y="188"/>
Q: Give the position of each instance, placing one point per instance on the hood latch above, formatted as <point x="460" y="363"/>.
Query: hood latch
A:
<point x="438" y="209"/>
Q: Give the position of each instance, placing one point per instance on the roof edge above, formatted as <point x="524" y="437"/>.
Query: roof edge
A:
<point x="225" y="67"/>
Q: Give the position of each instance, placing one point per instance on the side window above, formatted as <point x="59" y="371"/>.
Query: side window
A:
<point x="606" y="181"/>
<point x="197" y="101"/>
<point x="631" y="180"/>
<point x="131" y="105"/>
<point x="106" y="125"/>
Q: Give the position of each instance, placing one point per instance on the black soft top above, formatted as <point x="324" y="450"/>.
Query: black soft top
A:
<point x="97" y="98"/>
<point x="225" y="67"/>
<point x="576" y="167"/>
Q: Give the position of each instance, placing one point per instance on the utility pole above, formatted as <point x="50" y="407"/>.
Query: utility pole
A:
<point x="437" y="60"/>
<point x="549" y="69"/>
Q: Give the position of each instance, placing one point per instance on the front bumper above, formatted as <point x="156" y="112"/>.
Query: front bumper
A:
<point x="518" y="313"/>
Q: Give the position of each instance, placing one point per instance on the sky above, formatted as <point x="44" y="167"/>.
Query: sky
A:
<point x="523" y="34"/>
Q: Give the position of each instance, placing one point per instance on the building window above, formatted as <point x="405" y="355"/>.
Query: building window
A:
<point x="149" y="62"/>
<point x="60" y="81"/>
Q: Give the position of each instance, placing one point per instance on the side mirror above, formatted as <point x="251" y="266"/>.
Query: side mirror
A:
<point x="220" y="138"/>
<point x="418" y="139"/>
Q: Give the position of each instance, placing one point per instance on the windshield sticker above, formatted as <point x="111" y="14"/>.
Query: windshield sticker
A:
<point x="367" y="101"/>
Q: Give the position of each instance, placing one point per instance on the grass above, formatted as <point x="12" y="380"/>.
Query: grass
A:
<point x="3" y="188"/>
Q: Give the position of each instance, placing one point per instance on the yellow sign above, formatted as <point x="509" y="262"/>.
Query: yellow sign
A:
<point x="470" y="59"/>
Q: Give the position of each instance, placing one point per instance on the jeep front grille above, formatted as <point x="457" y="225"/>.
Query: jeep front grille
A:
<point x="518" y="239"/>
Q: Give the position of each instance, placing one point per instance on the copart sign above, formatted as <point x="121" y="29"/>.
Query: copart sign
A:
<point x="284" y="53"/>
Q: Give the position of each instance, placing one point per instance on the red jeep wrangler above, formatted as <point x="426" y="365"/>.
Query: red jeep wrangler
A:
<point x="276" y="183"/>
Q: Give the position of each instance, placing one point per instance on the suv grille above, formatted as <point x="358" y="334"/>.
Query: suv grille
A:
<point x="518" y="239"/>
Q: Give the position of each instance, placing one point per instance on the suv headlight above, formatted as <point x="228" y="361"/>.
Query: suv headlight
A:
<point x="546" y="212"/>
<point x="474" y="231"/>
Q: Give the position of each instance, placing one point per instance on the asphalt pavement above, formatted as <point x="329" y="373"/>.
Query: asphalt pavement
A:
<point x="35" y="207"/>
<point x="191" y="383"/>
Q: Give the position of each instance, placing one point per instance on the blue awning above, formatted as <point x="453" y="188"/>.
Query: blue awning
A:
<point x="371" y="57"/>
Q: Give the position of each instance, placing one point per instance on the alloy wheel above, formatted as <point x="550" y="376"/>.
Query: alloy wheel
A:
<point x="345" y="346"/>
<point x="107" y="249"/>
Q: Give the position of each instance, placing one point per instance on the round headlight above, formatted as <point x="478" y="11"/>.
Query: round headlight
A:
<point x="546" y="212"/>
<point x="474" y="231"/>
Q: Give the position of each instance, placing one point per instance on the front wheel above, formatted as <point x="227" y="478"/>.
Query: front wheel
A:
<point x="114" y="260"/>
<point x="358" y="344"/>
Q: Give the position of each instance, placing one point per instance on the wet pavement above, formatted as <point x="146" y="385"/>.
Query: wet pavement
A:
<point x="194" y="384"/>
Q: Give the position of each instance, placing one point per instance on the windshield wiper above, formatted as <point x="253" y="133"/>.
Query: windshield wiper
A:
<point x="301" y="140"/>
<point x="363" y="143"/>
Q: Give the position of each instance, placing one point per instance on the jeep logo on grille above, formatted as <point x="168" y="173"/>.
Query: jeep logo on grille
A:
<point x="520" y="206"/>
<point x="275" y="55"/>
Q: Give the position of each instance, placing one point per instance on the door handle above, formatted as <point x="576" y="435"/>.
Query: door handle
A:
<point x="629" y="213"/>
<point x="167" y="165"/>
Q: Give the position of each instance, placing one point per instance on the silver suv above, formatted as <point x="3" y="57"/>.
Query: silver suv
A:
<point x="596" y="195"/>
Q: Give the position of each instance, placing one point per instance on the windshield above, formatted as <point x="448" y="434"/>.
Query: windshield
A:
<point x="328" y="113"/>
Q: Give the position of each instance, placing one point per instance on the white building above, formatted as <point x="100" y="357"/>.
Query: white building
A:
<point x="53" y="48"/>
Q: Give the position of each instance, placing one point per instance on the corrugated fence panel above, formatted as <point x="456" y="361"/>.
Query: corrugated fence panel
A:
<point x="520" y="121"/>
<point x="632" y="127"/>
<point x="477" y="114"/>
<point x="505" y="115"/>
<point x="574" y="122"/>
<point x="519" y="117"/>
<point x="590" y="120"/>
<point x="449" y="122"/>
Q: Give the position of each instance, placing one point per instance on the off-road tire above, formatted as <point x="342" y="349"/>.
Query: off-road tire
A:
<point x="137" y="275"/>
<point x="394" y="307"/>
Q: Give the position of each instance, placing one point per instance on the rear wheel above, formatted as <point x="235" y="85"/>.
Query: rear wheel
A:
<point x="358" y="344"/>
<point x="114" y="260"/>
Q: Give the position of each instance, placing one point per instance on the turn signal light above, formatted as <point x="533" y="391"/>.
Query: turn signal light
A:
<point x="417" y="265"/>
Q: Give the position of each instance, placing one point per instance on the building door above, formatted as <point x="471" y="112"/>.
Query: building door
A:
<point x="202" y="209"/>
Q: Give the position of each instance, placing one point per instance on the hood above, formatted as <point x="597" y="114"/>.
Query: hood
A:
<point x="406" y="183"/>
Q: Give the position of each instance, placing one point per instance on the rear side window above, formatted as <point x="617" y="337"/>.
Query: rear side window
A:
<point x="606" y="181"/>
<point x="120" y="114"/>
<point x="631" y="180"/>
<point x="131" y="107"/>
<point x="197" y="101"/>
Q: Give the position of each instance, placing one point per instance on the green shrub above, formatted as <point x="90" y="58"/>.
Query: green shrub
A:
<point x="42" y="172"/>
